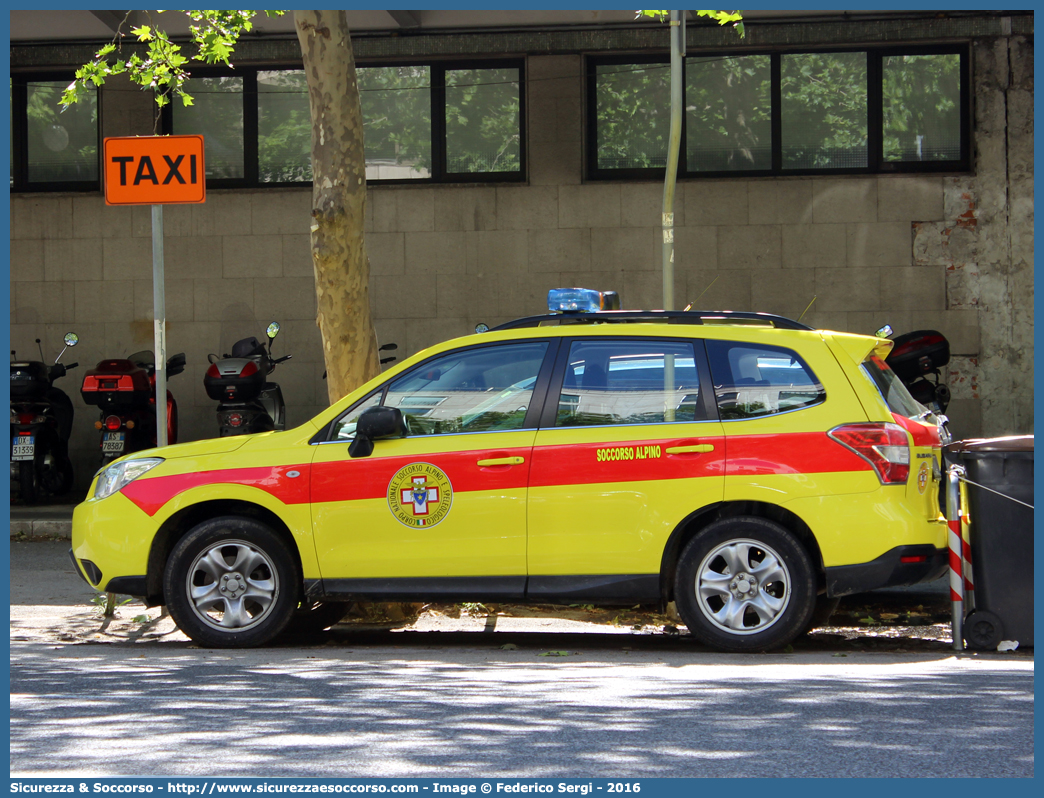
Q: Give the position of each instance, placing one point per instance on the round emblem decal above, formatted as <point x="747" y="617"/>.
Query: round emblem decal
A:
<point x="922" y="478"/>
<point x="420" y="495"/>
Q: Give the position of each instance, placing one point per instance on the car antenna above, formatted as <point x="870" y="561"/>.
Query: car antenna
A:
<point x="704" y="291"/>
<point x="814" y="297"/>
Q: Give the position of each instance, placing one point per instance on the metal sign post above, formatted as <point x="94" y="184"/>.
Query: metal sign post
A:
<point x="156" y="171"/>
<point x="159" y="314"/>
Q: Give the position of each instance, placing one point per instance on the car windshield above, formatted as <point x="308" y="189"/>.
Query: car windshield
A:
<point x="893" y="391"/>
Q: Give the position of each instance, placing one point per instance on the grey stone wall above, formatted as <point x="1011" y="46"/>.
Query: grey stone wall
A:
<point x="950" y="253"/>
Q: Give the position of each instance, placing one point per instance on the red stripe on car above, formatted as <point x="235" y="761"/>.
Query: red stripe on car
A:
<point x="923" y="434"/>
<point x="151" y="494"/>
<point x="790" y="453"/>
<point x="368" y="477"/>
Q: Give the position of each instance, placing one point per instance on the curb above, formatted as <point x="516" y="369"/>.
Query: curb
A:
<point x="41" y="528"/>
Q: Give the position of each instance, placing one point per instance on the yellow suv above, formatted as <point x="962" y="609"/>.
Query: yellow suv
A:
<point x="745" y="466"/>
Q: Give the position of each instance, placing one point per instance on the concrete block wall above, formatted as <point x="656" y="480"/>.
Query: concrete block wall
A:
<point x="870" y="250"/>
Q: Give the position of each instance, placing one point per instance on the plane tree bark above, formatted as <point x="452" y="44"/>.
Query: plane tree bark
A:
<point x="342" y="268"/>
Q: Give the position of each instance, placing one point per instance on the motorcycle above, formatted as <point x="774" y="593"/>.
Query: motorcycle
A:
<point x="247" y="402"/>
<point x="41" y="424"/>
<point x="916" y="358"/>
<point x="124" y="389"/>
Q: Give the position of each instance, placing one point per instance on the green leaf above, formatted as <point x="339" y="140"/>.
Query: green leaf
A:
<point x="186" y="99"/>
<point x="144" y="33"/>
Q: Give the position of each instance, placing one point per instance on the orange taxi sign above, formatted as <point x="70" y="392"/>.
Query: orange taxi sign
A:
<point x="154" y="170"/>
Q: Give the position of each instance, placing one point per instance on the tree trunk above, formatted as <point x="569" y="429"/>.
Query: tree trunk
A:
<point x="342" y="269"/>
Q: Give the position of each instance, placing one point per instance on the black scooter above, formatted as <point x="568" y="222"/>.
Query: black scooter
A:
<point x="916" y="358"/>
<point x="248" y="403"/>
<point x="124" y="389"/>
<point x="41" y="424"/>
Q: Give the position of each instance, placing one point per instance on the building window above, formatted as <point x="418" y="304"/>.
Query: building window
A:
<point x="921" y="107"/>
<point x="728" y="114"/>
<point x="216" y="114"/>
<point x="632" y="106"/>
<point x="861" y="111"/>
<point x="52" y="149"/>
<point x="824" y="111"/>
<point x="396" y="108"/>
<point x="432" y="122"/>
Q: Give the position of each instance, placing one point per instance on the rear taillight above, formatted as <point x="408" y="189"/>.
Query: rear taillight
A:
<point x="248" y="369"/>
<point x="113" y="423"/>
<point x="884" y="446"/>
<point x="234" y="419"/>
<point x="213" y="371"/>
<point x="26" y="418"/>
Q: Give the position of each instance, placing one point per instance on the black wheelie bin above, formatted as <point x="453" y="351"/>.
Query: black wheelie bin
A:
<point x="1000" y="476"/>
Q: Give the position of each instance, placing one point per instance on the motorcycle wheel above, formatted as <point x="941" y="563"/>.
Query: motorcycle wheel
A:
<point x="51" y="473"/>
<point x="27" y="481"/>
<point x="67" y="477"/>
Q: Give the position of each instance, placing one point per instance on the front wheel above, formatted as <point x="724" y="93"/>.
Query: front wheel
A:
<point x="312" y="617"/>
<point x="231" y="583"/>
<point x="745" y="584"/>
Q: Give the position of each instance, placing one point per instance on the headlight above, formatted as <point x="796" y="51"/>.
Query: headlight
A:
<point x="119" y="475"/>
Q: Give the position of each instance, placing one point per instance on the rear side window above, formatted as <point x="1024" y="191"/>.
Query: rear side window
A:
<point x="895" y="394"/>
<point x="752" y="380"/>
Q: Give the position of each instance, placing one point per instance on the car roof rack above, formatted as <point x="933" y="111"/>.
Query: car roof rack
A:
<point x="707" y="317"/>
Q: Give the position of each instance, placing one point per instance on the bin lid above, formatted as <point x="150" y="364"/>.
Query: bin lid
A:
<point x="1011" y="443"/>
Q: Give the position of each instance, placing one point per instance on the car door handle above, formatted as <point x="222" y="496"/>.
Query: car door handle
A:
<point x="495" y="461"/>
<point x="697" y="449"/>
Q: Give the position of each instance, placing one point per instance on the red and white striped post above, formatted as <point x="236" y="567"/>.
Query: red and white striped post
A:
<point x="956" y="544"/>
<point x="966" y="559"/>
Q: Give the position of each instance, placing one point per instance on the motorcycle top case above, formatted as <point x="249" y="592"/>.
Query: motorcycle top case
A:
<point x="115" y="384"/>
<point x="905" y="359"/>
<point x="234" y="379"/>
<point x="29" y="380"/>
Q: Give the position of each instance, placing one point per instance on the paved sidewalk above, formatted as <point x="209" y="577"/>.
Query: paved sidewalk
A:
<point x="42" y="521"/>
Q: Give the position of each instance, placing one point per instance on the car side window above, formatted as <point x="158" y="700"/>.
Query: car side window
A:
<point x="482" y="389"/>
<point x="631" y="381"/>
<point x="753" y="380"/>
<point x="344" y="427"/>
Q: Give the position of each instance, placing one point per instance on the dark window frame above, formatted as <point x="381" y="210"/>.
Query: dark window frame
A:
<point x="20" y="137"/>
<point x="439" y="175"/>
<point x="876" y="164"/>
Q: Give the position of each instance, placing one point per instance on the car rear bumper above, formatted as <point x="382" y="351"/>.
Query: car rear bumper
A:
<point x="923" y="563"/>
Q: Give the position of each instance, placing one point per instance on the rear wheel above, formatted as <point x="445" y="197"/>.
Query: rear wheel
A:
<point x="27" y="481"/>
<point x="825" y="608"/>
<point x="231" y="583"/>
<point x="745" y="584"/>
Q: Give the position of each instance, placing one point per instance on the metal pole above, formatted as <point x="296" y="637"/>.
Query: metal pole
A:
<point x="160" y="324"/>
<point x="673" y="148"/>
<point x="953" y="521"/>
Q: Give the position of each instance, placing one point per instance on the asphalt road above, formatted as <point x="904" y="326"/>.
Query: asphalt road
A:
<point x="134" y="697"/>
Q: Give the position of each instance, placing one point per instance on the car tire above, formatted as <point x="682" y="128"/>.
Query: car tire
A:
<point x="316" y="616"/>
<point x="231" y="582"/>
<point x="745" y="584"/>
<point x="824" y="609"/>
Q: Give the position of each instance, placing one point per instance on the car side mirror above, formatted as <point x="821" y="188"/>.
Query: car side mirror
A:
<point x="374" y="424"/>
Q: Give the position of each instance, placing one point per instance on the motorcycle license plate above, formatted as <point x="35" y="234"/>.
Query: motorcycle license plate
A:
<point x="112" y="442"/>
<point x="22" y="447"/>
